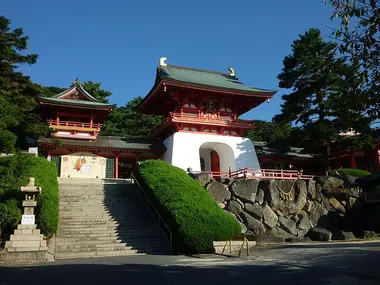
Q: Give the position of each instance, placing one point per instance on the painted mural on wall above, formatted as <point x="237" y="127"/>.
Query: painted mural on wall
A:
<point x="83" y="164"/>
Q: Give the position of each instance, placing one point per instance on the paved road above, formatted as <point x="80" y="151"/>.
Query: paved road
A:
<point x="348" y="264"/>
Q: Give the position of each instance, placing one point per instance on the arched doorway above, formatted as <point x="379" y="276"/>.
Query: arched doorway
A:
<point x="216" y="157"/>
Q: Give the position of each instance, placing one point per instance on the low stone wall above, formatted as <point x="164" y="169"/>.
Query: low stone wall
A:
<point x="321" y="209"/>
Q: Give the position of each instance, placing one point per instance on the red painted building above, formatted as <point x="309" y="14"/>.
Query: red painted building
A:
<point x="75" y="119"/>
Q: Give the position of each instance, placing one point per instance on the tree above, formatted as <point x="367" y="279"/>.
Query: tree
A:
<point x="317" y="79"/>
<point x="18" y="116"/>
<point x="359" y="36"/>
<point x="269" y="132"/>
<point x="96" y="91"/>
<point x="125" y="121"/>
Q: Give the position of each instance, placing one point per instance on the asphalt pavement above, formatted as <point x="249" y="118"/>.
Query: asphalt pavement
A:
<point x="326" y="263"/>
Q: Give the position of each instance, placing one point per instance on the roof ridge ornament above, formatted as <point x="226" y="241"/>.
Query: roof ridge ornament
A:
<point x="232" y="72"/>
<point x="162" y="61"/>
<point x="76" y="82"/>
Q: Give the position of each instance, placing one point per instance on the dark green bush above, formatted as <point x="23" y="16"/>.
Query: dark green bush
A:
<point x="192" y="215"/>
<point x="15" y="172"/>
<point x="10" y="213"/>
<point x="350" y="171"/>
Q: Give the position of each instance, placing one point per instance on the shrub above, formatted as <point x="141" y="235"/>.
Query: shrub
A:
<point x="15" y="172"/>
<point x="350" y="171"/>
<point x="10" y="214"/>
<point x="192" y="215"/>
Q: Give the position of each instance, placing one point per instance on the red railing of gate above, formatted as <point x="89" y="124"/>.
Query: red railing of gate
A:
<point x="261" y="174"/>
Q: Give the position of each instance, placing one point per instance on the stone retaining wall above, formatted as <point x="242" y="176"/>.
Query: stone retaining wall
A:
<point x="321" y="209"/>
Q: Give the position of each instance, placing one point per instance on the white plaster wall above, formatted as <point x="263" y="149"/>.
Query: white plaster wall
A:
<point x="183" y="151"/>
<point x="95" y="166"/>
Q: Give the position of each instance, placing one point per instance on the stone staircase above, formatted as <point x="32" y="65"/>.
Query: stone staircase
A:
<point x="101" y="218"/>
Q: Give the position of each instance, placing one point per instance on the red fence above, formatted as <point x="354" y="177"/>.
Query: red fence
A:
<point x="261" y="174"/>
<point x="73" y="124"/>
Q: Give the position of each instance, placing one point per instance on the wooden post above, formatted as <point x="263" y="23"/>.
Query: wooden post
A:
<point x="339" y="162"/>
<point x="116" y="168"/>
<point x="378" y="156"/>
<point x="91" y="120"/>
<point x="352" y="160"/>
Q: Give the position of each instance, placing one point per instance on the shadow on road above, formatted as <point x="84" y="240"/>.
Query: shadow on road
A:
<point x="250" y="273"/>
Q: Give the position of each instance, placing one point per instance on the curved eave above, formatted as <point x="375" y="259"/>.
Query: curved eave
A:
<point x="46" y="101"/>
<point x="263" y="95"/>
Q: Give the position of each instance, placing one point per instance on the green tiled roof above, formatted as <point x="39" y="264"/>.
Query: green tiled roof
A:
<point x="76" y="102"/>
<point x="109" y="142"/>
<point x="262" y="149"/>
<point x="206" y="79"/>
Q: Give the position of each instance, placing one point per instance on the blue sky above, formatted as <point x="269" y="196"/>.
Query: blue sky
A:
<point x="119" y="42"/>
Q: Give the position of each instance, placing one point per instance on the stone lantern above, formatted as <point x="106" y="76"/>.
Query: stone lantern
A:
<point x="27" y="243"/>
<point x="30" y="202"/>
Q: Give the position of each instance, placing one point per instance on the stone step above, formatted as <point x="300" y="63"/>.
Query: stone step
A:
<point x="102" y="216"/>
<point x="107" y="236"/>
<point x="65" y="224"/>
<point x="109" y="247"/>
<point x="89" y="197"/>
<point x="27" y="249"/>
<point x="25" y="243"/>
<point x="101" y="232"/>
<point x="73" y="255"/>
<point x="125" y="225"/>
<point x="35" y="237"/>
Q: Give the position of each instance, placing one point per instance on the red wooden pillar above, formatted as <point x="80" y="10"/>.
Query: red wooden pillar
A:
<point x="339" y="162"/>
<point x="116" y="168"/>
<point x="378" y="157"/>
<point x="352" y="160"/>
<point x="91" y="120"/>
<point x="366" y="160"/>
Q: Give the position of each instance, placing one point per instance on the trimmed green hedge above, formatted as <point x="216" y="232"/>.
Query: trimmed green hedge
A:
<point x="15" y="172"/>
<point x="10" y="214"/>
<point x="351" y="171"/>
<point x="192" y="215"/>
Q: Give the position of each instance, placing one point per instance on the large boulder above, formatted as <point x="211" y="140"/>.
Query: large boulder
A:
<point x="245" y="189"/>
<point x="269" y="217"/>
<point x="337" y="205"/>
<point x="278" y="232"/>
<point x="319" y="234"/>
<point x="287" y="196"/>
<point x="308" y="206"/>
<point x="255" y="226"/>
<point x="234" y="207"/>
<point x="298" y="239"/>
<point x="329" y="182"/>
<point x="219" y="191"/>
<point x="268" y="239"/>
<point x="317" y="211"/>
<point x="203" y="178"/>
<point x="341" y="235"/>
<point x="260" y="196"/>
<point x="288" y="225"/>
<point x="311" y="189"/>
<point x="255" y="210"/>
<point x="369" y="235"/>
<point x="303" y="222"/>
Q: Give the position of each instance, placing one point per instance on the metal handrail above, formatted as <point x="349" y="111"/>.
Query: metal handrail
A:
<point x="159" y="218"/>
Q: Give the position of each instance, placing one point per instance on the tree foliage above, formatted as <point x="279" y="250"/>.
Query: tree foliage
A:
<point x="18" y="116"/>
<point x="94" y="89"/>
<point x="270" y="132"/>
<point x="359" y="36"/>
<point x="320" y="82"/>
<point x="125" y="121"/>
